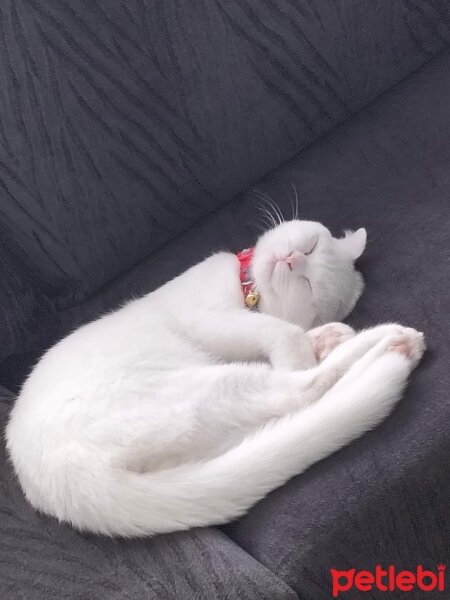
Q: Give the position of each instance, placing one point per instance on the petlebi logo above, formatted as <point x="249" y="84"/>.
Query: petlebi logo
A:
<point x="389" y="579"/>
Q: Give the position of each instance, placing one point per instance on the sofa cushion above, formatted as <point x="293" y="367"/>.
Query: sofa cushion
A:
<point x="123" y="123"/>
<point x="41" y="559"/>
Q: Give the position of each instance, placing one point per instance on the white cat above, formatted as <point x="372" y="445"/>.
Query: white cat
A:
<point x="185" y="407"/>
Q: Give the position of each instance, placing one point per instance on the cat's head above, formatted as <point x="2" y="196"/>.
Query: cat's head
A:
<point x="305" y="275"/>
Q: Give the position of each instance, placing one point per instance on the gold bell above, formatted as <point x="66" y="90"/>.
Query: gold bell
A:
<point x="252" y="299"/>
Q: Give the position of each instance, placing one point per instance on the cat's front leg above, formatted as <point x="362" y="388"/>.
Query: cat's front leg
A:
<point x="241" y="335"/>
<point x="326" y="338"/>
<point x="292" y="350"/>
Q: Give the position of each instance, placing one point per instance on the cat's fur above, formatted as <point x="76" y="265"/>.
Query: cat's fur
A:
<point x="184" y="408"/>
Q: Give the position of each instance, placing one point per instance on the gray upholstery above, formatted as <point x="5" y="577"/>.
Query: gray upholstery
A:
<point x="129" y="135"/>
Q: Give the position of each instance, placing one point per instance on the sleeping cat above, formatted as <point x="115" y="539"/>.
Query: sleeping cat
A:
<point x="186" y="407"/>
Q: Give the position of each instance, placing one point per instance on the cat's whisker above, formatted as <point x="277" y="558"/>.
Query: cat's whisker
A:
<point x="266" y="226"/>
<point x="258" y="226"/>
<point x="272" y="205"/>
<point x="272" y="220"/>
<point x="269" y="218"/>
<point x="277" y="211"/>
<point x="295" y="216"/>
<point x="292" y="207"/>
<point x="265" y="215"/>
<point x="265" y="221"/>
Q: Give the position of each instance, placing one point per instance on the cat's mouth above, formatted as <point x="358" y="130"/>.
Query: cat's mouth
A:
<point x="283" y="263"/>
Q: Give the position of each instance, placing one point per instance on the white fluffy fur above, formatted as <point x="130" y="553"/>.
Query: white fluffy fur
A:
<point x="184" y="408"/>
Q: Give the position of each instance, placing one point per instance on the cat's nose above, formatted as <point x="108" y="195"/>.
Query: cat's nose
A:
<point x="295" y="259"/>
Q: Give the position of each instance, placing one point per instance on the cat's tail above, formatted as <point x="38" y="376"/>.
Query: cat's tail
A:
<point x="223" y="488"/>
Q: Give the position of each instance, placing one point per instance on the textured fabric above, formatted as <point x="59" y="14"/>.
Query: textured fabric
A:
<point x="40" y="559"/>
<point x="124" y="122"/>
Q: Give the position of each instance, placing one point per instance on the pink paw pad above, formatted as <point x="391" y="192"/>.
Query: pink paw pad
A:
<point x="401" y="346"/>
<point x="325" y="339"/>
<point x="410" y="344"/>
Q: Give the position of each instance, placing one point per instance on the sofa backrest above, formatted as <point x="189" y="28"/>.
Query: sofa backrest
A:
<point x="124" y="123"/>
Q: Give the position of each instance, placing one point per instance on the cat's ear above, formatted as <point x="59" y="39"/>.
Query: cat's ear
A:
<point x="354" y="242"/>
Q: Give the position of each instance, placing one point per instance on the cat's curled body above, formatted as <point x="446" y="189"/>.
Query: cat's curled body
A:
<point x="184" y="408"/>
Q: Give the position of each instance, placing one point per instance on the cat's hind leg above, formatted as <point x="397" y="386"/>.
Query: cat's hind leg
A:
<point x="407" y="342"/>
<point x="200" y="411"/>
<point x="343" y="357"/>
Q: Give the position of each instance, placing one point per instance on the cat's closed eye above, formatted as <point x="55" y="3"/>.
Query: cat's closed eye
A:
<point x="313" y="248"/>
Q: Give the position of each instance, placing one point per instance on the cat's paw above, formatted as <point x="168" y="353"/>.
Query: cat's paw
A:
<point x="409" y="343"/>
<point x="326" y="338"/>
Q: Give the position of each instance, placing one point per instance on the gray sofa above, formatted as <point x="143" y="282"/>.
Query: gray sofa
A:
<point x="133" y="136"/>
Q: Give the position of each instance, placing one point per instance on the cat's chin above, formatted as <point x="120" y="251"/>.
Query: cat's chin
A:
<point x="280" y="267"/>
<point x="302" y="314"/>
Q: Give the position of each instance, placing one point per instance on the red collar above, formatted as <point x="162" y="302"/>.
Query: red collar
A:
<point x="251" y="296"/>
